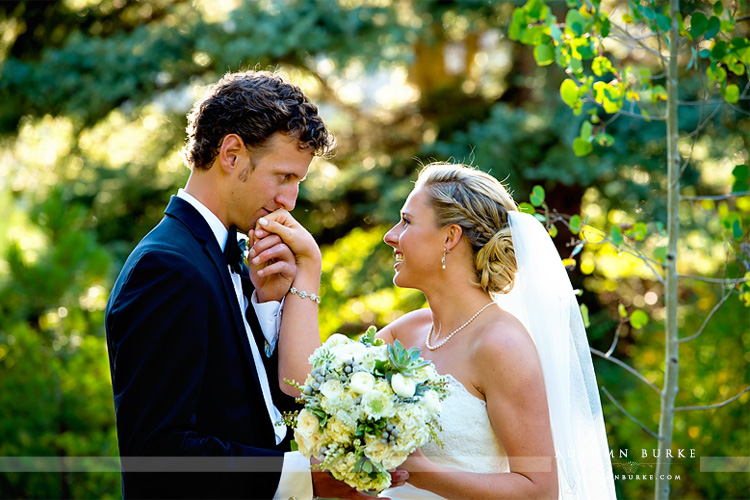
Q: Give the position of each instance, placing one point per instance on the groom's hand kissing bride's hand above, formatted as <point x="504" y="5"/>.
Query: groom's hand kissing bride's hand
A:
<point x="281" y="248"/>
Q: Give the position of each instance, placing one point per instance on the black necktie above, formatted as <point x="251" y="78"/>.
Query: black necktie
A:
<point x="234" y="252"/>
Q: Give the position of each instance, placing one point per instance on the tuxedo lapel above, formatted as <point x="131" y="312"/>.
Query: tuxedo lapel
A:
<point x="184" y="212"/>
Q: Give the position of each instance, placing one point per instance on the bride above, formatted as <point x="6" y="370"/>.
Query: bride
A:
<point x="523" y="419"/>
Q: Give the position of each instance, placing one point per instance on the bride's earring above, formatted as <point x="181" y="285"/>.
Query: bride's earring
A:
<point x="445" y="251"/>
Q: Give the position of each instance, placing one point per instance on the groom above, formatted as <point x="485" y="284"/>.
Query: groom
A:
<point x="191" y="337"/>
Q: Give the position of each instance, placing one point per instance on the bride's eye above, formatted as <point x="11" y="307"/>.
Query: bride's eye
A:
<point x="404" y="220"/>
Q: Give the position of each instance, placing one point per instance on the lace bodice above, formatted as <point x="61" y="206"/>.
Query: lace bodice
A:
<point x="469" y="441"/>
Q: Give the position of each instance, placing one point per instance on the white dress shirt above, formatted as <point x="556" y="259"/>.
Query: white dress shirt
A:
<point x="295" y="480"/>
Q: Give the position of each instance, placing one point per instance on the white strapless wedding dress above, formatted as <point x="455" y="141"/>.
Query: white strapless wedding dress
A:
<point x="469" y="441"/>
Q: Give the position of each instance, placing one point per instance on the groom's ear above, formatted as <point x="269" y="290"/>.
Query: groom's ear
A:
<point x="229" y="152"/>
<point x="453" y="236"/>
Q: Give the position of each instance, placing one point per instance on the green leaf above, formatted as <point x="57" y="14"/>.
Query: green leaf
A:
<point x="659" y="93"/>
<point x="575" y="22"/>
<point x="537" y="196"/>
<point x="732" y="93"/>
<point x="698" y="24"/>
<point x="627" y="19"/>
<point x="714" y="25"/>
<point x="582" y="147"/>
<point x="622" y="311"/>
<point x="660" y="254"/>
<point x="616" y="235"/>
<point x="552" y="231"/>
<point x="638" y="319"/>
<point x="741" y="175"/>
<point x="639" y="231"/>
<point x="604" y="139"/>
<point x="575" y="224"/>
<point x="737" y="230"/>
<point x="585" y="315"/>
<point x="555" y="33"/>
<point x="719" y="50"/>
<point x="718" y="8"/>
<point x="601" y="66"/>
<point x="716" y="73"/>
<point x="586" y="129"/>
<point x="537" y="10"/>
<point x="527" y="208"/>
<point x="663" y="22"/>
<point x="544" y="54"/>
<point x="518" y="24"/>
<point x="569" y="92"/>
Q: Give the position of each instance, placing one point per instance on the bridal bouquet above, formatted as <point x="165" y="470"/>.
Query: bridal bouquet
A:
<point x="368" y="405"/>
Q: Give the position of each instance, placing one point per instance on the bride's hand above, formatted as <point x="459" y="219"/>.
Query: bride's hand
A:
<point x="414" y="462"/>
<point x="297" y="238"/>
<point x="281" y="249"/>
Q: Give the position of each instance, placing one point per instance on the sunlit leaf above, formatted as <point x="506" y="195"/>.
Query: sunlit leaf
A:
<point x="639" y="231"/>
<point x="537" y="196"/>
<point x="575" y="224"/>
<point x="552" y="231"/>
<point x="622" y="311"/>
<point x="527" y="208"/>
<point x="732" y="93"/>
<point x="638" y="319"/>
<point x="544" y="54"/>
<point x="601" y="66"/>
<point x="660" y="254"/>
<point x="582" y="147"/>
<point x="585" y="315"/>
<point x="569" y="92"/>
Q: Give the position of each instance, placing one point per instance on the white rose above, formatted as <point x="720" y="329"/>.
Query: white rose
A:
<point x="337" y="339"/>
<point x="352" y="350"/>
<point x="362" y="382"/>
<point x="307" y="423"/>
<point x="403" y="386"/>
<point x="332" y="389"/>
<point x="431" y="401"/>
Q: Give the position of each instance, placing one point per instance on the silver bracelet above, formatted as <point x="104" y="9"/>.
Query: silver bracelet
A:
<point x="304" y="295"/>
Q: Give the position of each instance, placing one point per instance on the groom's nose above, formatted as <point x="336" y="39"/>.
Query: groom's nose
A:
<point x="287" y="197"/>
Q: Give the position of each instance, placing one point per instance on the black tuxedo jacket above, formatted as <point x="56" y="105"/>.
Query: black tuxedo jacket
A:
<point x="183" y="376"/>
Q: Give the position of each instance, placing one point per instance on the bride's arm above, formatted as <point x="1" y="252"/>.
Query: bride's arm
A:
<point x="507" y="371"/>
<point x="299" y="335"/>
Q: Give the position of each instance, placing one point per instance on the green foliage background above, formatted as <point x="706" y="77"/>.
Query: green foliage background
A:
<point x="93" y="96"/>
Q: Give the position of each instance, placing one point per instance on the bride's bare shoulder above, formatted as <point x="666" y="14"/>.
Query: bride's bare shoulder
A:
<point x="404" y="328"/>
<point x="505" y="342"/>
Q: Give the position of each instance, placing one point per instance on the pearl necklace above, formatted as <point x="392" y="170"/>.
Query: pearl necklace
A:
<point x="446" y="339"/>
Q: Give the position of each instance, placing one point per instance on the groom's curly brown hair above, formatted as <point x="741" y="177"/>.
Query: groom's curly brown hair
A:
<point x="254" y="105"/>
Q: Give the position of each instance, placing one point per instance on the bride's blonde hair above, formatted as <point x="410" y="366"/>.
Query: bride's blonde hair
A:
<point x="478" y="203"/>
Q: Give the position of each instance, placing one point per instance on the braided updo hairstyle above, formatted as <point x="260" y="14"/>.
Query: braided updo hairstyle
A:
<point x="479" y="204"/>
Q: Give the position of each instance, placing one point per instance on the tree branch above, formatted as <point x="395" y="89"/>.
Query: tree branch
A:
<point x="717" y="197"/>
<point x="723" y="281"/>
<point x="627" y="414"/>
<point x="711" y="407"/>
<point x="627" y="367"/>
<point x="708" y="318"/>
<point x="614" y="341"/>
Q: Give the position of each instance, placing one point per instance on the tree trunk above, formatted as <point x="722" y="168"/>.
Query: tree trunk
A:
<point x="672" y="357"/>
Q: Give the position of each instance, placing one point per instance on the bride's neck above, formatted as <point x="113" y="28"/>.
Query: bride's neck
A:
<point x="453" y="306"/>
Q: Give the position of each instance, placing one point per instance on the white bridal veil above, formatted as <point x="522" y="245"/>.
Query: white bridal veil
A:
<point x="543" y="300"/>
